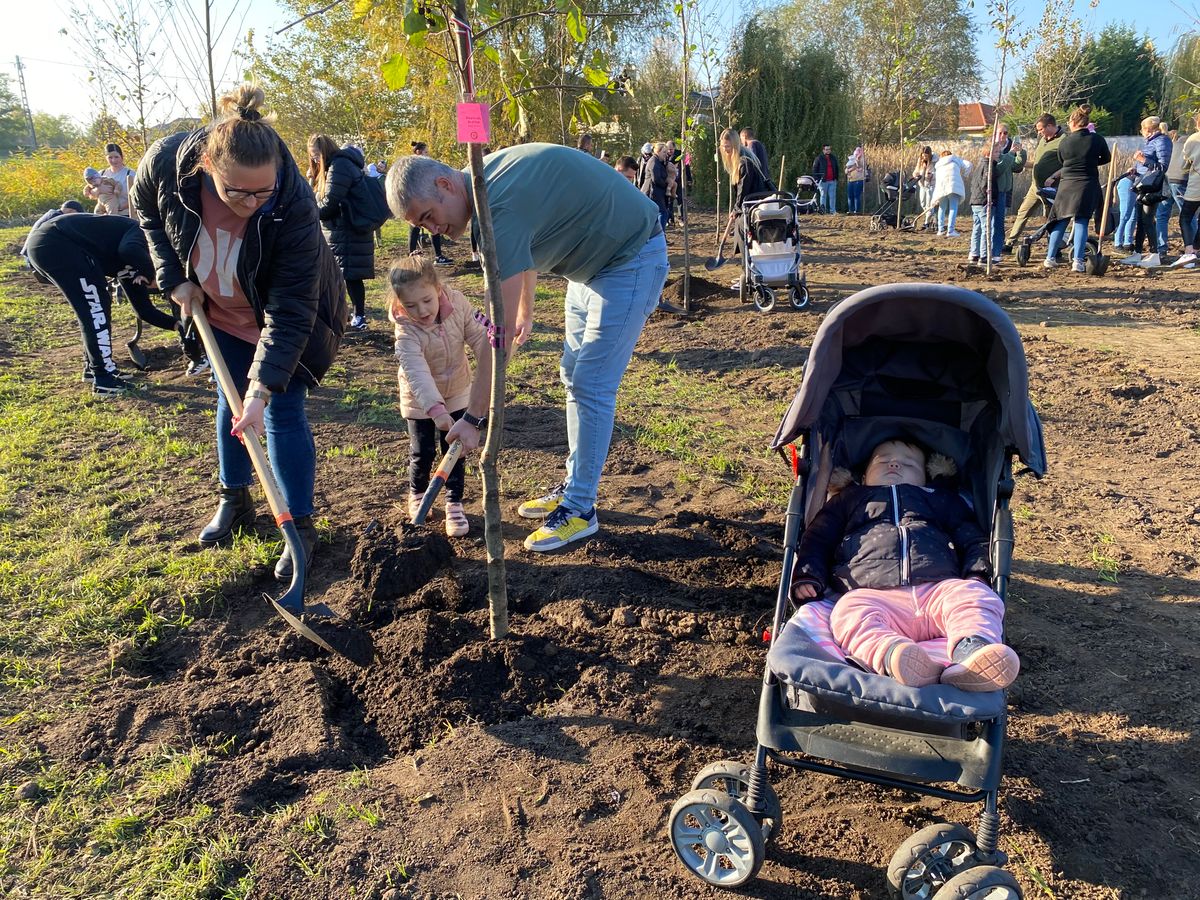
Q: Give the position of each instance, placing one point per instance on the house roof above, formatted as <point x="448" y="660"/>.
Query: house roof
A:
<point x="977" y="116"/>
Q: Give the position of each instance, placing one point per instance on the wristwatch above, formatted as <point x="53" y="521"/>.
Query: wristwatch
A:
<point x="478" y="421"/>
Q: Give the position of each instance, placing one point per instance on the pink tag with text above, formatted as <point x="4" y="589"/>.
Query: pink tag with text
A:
<point x="474" y="123"/>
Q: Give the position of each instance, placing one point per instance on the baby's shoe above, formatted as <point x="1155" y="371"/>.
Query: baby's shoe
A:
<point x="456" y="520"/>
<point x="414" y="505"/>
<point x="909" y="664"/>
<point x="978" y="664"/>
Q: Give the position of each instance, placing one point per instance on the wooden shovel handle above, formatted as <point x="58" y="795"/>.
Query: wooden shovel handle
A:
<point x="258" y="456"/>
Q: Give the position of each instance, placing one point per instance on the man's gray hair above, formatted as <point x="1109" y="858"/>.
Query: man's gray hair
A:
<point x="412" y="178"/>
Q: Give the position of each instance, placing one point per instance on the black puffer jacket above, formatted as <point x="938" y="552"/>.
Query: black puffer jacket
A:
<point x="285" y="267"/>
<point x="891" y="536"/>
<point x="355" y="250"/>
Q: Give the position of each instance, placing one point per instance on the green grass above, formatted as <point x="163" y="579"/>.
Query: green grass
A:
<point x="1104" y="557"/>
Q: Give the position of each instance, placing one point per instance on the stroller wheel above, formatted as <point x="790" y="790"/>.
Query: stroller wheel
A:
<point x="929" y="859"/>
<point x="798" y="296"/>
<point x="1022" y="254"/>
<point x="764" y="299"/>
<point x="733" y="778"/>
<point x="716" y="838"/>
<point x="981" y="883"/>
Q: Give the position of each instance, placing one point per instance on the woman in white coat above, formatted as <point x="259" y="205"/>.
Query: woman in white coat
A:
<point x="949" y="189"/>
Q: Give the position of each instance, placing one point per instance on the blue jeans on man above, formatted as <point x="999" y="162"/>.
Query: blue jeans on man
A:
<point x="289" y="438"/>
<point x="828" y="196"/>
<point x="604" y="318"/>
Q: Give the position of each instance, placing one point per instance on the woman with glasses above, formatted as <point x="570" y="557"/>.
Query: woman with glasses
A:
<point x="232" y="225"/>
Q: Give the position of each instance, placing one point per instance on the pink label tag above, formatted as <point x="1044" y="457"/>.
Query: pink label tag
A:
<point x="474" y="123"/>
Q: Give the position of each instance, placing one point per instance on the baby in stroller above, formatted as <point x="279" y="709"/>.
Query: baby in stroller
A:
<point x="911" y="565"/>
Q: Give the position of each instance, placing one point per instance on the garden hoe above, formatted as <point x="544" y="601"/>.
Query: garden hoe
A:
<point x="445" y="467"/>
<point x="291" y="604"/>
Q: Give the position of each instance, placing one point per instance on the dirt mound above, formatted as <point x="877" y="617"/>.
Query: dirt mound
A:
<point x="393" y="561"/>
<point x="700" y="289"/>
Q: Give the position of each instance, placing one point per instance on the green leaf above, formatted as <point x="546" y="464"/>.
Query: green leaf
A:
<point x="591" y="109"/>
<point x="595" y="77"/>
<point x="395" y="72"/>
<point x="486" y="9"/>
<point x="577" y="24"/>
<point x="414" y="23"/>
<point x="362" y="7"/>
<point x="491" y="53"/>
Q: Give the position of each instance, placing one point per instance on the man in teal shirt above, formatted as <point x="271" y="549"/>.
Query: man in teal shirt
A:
<point x="555" y="210"/>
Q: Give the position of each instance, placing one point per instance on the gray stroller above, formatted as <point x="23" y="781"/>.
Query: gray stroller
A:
<point x="942" y="366"/>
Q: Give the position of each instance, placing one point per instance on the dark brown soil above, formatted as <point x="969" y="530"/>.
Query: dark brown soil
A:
<point x="544" y="766"/>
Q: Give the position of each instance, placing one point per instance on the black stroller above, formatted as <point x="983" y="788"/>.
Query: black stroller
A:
<point x="1093" y="261"/>
<point x="808" y="195"/>
<point x="891" y="193"/>
<point x="943" y="366"/>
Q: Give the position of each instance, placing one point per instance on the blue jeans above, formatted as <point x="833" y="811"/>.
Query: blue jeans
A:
<point x="947" y="213"/>
<point x="854" y="192"/>
<point x="978" y="220"/>
<point x="828" y="196"/>
<point x="604" y="318"/>
<point x="1127" y="217"/>
<point x="999" y="208"/>
<point x="289" y="439"/>
<point x="1078" y="236"/>
<point x="1162" y="220"/>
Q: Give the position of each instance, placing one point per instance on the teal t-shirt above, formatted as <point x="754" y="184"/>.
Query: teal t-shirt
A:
<point x="557" y="210"/>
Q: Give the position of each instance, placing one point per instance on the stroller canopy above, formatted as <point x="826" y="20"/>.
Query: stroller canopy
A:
<point x="922" y="314"/>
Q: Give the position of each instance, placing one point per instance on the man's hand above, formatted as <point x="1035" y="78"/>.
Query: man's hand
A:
<point x="184" y="295"/>
<point x="444" y="422"/>
<point x="523" y="330"/>
<point x="465" y="432"/>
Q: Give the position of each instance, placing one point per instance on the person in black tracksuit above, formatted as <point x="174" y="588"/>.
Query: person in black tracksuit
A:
<point x="77" y="253"/>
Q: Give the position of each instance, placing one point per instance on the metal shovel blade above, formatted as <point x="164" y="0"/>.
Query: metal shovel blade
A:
<point x="136" y="355"/>
<point x="714" y="262"/>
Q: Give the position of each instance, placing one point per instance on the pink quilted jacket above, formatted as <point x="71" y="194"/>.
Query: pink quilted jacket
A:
<point x="434" y="372"/>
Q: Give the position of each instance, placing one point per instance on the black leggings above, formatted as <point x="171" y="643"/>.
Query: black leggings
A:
<point x="82" y="282"/>
<point x="414" y="241"/>
<point x="423" y="441"/>
<point x="1146" y="228"/>
<point x="1187" y="221"/>
<point x="358" y="295"/>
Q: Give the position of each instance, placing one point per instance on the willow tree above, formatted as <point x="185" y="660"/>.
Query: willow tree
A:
<point x="796" y="100"/>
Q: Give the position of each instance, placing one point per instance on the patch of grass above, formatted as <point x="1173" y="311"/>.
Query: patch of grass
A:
<point x="1108" y="565"/>
<point x="318" y="825"/>
<point x="372" y="406"/>
<point x="361" y="812"/>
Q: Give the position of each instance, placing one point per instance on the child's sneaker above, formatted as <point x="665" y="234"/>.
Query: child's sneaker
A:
<point x="977" y="664"/>
<point x="108" y="385"/>
<point x="910" y="664"/>
<point x="972" y="260"/>
<point x="540" y="507"/>
<point x="358" y="323"/>
<point x="561" y="528"/>
<point x="414" y="505"/>
<point x="456" y="520"/>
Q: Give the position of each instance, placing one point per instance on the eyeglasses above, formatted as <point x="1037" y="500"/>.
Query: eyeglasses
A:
<point x="239" y="194"/>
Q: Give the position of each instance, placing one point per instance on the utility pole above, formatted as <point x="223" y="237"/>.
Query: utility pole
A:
<point x="25" y="103"/>
<point x="208" y="47"/>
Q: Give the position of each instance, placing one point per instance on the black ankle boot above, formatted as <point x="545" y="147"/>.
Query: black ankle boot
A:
<point x="234" y="512"/>
<point x="308" y="538"/>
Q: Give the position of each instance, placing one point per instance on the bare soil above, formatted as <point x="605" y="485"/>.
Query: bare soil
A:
<point x="544" y="766"/>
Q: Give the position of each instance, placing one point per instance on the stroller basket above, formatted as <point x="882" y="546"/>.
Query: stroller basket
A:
<point x="944" y="367"/>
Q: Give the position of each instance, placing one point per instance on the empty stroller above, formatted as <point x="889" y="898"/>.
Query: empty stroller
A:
<point x="943" y="366"/>
<point x="808" y="195"/>
<point x="892" y="193"/>
<point x="1094" y="262"/>
<point x="771" y="228"/>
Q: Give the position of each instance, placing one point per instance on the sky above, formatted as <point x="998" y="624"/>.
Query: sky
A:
<point x="56" y="79"/>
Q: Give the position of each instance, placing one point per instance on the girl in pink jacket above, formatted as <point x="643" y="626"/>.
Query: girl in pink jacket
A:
<point x="434" y="324"/>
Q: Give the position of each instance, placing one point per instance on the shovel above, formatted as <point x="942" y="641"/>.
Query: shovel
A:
<point x="290" y="605"/>
<point x="445" y="467"/>
<point x="136" y="354"/>
<point x="1100" y="265"/>
<point x="715" y="262"/>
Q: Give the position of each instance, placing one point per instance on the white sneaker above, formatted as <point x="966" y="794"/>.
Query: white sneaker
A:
<point x="1153" y="261"/>
<point x="456" y="520"/>
<point x="1050" y="263"/>
<point x="953" y="234"/>
<point x="1131" y="260"/>
<point x="1183" y="261"/>
<point x="1078" y="265"/>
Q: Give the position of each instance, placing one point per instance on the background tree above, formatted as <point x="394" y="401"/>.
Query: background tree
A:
<point x="1127" y="76"/>
<point x="794" y="99"/>
<point x="55" y="131"/>
<point x="14" y="131"/>
<point x="898" y="54"/>
<point x="1056" y="69"/>
<point x="1180" y="91"/>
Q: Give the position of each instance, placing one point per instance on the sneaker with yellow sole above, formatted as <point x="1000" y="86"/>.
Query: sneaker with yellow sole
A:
<point x="540" y="507"/>
<point x="561" y="528"/>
